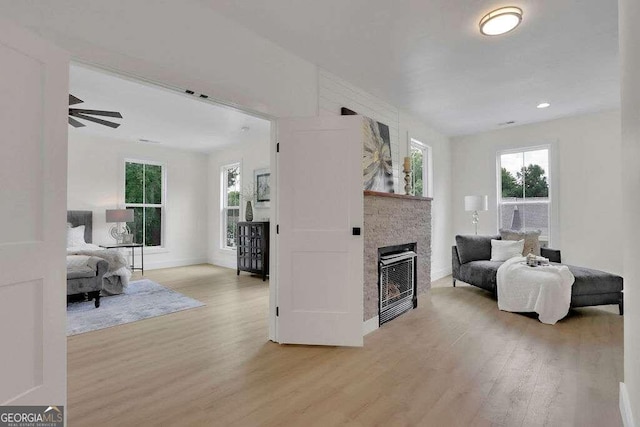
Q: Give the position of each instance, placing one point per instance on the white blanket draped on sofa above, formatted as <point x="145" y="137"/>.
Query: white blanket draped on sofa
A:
<point x="545" y="290"/>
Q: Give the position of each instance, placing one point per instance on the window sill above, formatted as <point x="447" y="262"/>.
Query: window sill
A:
<point x="232" y="251"/>
<point x="148" y="250"/>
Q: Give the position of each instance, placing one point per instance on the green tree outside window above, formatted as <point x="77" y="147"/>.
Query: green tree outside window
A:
<point x="531" y="177"/>
<point x="144" y="189"/>
<point x="417" y="163"/>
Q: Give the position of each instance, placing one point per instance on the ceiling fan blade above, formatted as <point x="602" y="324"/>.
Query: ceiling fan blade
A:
<point x="97" y="112"/>
<point x="95" y="120"/>
<point x="76" y="124"/>
<point x="73" y="100"/>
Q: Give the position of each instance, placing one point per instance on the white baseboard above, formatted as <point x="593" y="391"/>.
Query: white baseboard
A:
<point x="174" y="263"/>
<point x="440" y="273"/>
<point x="625" y="407"/>
<point x="224" y="262"/>
<point x="370" y="325"/>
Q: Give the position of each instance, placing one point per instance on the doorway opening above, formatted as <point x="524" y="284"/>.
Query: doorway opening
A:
<point x="147" y="168"/>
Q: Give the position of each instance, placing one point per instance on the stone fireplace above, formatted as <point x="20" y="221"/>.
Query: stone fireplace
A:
<point x="394" y="220"/>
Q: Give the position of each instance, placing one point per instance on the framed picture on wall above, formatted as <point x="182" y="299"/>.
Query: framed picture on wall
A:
<point x="262" y="182"/>
<point x="376" y="157"/>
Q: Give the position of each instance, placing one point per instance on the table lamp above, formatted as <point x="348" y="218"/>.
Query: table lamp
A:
<point x="119" y="216"/>
<point x="475" y="204"/>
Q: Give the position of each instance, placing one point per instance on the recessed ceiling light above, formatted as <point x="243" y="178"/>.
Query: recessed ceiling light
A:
<point x="500" y="21"/>
<point x="244" y="129"/>
<point x="543" y="105"/>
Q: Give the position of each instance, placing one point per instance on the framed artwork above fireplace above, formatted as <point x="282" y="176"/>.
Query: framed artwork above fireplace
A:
<point x="377" y="165"/>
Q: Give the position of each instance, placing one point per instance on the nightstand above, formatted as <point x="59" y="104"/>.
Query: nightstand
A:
<point x="133" y="247"/>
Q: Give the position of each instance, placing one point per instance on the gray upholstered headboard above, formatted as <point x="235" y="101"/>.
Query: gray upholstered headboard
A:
<point x="77" y="218"/>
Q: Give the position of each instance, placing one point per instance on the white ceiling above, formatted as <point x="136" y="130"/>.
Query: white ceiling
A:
<point x="429" y="58"/>
<point x="175" y="120"/>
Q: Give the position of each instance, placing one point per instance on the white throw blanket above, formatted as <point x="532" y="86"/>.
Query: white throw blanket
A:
<point x="77" y="261"/>
<point x="545" y="290"/>
<point x="118" y="274"/>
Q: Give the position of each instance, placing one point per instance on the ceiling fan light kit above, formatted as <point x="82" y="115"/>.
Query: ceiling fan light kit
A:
<point x="81" y="113"/>
<point x="501" y="21"/>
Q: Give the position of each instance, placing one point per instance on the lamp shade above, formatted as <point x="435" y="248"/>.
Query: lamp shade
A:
<point x="476" y="203"/>
<point x="119" y="215"/>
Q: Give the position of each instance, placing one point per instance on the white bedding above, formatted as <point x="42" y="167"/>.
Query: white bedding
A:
<point x="545" y="290"/>
<point x="77" y="261"/>
<point x="118" y="274"/>
<point x="85" y="247"/>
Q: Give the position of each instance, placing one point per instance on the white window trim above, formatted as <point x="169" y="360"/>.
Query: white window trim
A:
<point x="223" y="204"/>
<point x="554" y="194"/>
<point x="427" y="165"/>
<point x="163" y="206"/>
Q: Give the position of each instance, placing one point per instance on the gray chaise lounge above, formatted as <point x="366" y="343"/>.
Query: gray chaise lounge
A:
<point x="470" y="262"/>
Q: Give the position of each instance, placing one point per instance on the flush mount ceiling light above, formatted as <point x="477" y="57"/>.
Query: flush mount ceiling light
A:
<point x="501" y="21"/>
<point x="543" y="105"/>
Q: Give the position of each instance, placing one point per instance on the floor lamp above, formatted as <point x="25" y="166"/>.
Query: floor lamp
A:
<point x="475" y="204"/>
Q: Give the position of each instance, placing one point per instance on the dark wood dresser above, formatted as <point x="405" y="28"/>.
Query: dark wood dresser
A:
<point x="253" y="248"/>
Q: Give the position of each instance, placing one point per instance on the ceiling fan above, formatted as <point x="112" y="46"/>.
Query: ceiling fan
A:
<point x="79" y="113"/>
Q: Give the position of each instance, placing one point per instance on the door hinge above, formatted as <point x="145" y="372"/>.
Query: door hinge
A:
<point x="277" y="311"/>
<point x="278" y="147"/>
<point x="277" y="228"/>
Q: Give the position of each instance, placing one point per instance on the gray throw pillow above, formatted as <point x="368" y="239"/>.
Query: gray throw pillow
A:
<point x="531" y="240"/>
<point x="474" y="248"/>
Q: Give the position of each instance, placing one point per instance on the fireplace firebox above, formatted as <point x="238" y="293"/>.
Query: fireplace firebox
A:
<point x="397" y="273"/>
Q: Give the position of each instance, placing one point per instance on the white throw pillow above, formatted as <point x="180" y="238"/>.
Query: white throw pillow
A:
<point x="502" y="250"/>
<point x="75" y="237"/>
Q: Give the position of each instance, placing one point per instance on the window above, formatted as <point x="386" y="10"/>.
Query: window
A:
<point x="524" y="197"/>
<point x="144" y="193"/>
<point x="419" y="154"/>
<point x="230" y="204"/>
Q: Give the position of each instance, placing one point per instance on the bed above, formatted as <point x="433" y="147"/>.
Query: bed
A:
<point x="80" y="245"/>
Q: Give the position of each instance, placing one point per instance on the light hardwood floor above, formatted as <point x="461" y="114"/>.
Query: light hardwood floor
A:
<point x="455" y="361"/>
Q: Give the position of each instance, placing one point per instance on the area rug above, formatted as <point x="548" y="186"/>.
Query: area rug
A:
<point x="142" y="299"/>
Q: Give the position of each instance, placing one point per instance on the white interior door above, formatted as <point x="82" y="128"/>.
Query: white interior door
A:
<point x="320" y="201"/>
<point x="33" y="185"/>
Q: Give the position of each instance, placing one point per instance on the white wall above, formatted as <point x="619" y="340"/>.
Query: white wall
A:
<point x="588" y="199"/>
<point x="179" y="43"/>
<point x="335" y="93"/>
<point x="629" y="15"/>
<point x="252" y="154"/>
<point x="96" y="182"/>
<point x="441" y="219"/>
